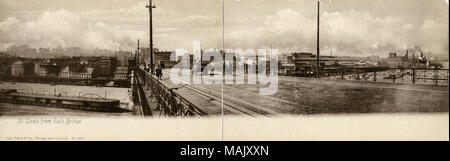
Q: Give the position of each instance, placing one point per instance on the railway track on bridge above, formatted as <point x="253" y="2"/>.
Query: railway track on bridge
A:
<point x="232" y="104"/>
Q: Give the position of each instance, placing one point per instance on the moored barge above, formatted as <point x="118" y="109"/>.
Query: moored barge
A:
<point x="70" y="102"/>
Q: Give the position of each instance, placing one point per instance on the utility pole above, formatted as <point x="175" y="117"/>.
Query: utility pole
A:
<point x="318" y="50"/>
<point x="137" y="53"/>
<point x="150" y="7"/>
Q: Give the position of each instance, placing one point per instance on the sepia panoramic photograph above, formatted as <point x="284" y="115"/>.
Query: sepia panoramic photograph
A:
<point x="219" y="59"/>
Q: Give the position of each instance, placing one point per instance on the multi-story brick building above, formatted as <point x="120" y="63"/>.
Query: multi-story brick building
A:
<point x="17" y="68"/>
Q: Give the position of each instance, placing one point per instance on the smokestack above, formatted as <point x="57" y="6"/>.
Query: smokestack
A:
<point x="406" y="54"/>
<point x="418" y="49"/>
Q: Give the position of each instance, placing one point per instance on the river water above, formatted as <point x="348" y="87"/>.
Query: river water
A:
<point x="8" y="109"/>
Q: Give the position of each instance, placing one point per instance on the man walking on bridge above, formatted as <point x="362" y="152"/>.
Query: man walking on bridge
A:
<point x="159" y="72"/>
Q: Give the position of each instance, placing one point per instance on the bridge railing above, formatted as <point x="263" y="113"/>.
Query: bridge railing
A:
<point x="139" y="97"/>
<point x="169" y="101"/>
<point x="393" y="75"/>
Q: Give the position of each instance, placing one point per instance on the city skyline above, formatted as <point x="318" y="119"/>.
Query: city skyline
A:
<point x="347" y="27"/>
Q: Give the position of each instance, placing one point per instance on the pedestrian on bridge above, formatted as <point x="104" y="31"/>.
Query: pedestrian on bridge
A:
<point x="159" y="72"/>
<point x="147" y="68"/>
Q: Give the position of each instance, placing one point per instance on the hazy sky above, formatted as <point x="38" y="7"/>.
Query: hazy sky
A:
<point x="348" y="27"/>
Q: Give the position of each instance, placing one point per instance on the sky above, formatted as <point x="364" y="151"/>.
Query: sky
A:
<point x="348" y="27"/>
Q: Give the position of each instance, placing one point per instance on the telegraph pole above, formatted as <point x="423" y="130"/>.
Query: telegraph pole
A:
<point x="318" y="50"/>
<point x="137" y="53"/>
<point x="150" y="8"/>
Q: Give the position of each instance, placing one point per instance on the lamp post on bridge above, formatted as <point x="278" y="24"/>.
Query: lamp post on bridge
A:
<point x="150" y="9"/>
<point x="318" y="48"/>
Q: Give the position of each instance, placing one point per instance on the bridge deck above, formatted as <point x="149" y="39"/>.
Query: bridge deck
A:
<point x="298" y="95"/>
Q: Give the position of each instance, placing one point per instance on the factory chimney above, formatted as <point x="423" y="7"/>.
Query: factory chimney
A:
<point x="406" y="56"/>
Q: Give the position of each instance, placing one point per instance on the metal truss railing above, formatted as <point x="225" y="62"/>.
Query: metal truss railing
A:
<point x="394" y="75"/>
<point x="169" y="101"/>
